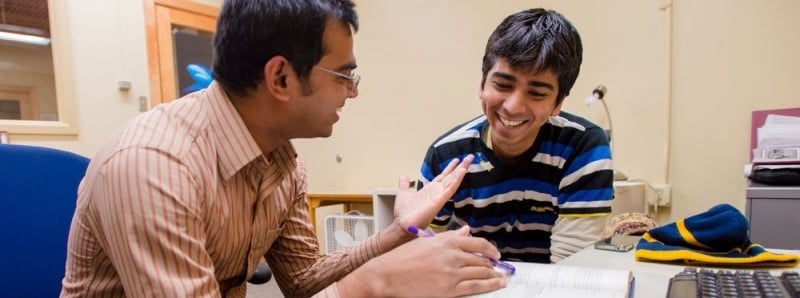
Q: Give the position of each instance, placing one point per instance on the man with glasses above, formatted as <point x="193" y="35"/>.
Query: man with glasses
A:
<point x="185" y="200"/>
<point x="352" y="78"/>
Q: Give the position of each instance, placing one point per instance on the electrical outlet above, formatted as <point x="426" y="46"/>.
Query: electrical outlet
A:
<point x="663" y="195"/>
<point x="142" y="103"/>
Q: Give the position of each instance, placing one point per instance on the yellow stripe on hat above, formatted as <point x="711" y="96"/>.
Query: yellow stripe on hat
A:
<point x="649" y="238"/>
<point x="687" y="235"/>
<point x="765" y="259"/>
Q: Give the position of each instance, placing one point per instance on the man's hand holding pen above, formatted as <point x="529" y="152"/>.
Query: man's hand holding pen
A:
<point x="452" y="264"/>
<point x="500" y="266"/>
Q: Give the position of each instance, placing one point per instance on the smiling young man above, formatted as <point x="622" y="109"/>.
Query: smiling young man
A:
<point x="540" y="187"/>
<point x="187" y="197"/>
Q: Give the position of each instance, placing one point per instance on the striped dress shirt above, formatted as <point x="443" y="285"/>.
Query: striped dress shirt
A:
<point x="182" y="203"/>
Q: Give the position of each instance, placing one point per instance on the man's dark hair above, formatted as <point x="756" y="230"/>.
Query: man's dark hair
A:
<point x="537" y="40"/>
<point x="250" y="32"/>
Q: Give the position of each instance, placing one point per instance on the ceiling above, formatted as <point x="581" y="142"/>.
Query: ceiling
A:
<point x="25" y="16"/>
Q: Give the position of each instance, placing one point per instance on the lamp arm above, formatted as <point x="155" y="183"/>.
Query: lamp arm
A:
<point x="610" y="127"/>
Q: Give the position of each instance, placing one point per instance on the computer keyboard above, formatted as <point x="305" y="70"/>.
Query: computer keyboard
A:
<point x="694" y="282"/>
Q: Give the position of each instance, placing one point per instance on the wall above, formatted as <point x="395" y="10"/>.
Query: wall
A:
<point x="731" y="57"/>
<point x="421" y="76"/>
<point x="420" y="62"/>
<point x="108" y="45"/>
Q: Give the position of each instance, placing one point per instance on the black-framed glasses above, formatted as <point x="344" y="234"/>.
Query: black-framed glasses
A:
<point x="353" y="79"/>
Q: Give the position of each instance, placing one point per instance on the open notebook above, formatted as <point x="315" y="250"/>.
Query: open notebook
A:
<point x="557" y="281"/>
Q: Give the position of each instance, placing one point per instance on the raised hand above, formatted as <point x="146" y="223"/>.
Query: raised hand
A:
<point x="417" y="208"/>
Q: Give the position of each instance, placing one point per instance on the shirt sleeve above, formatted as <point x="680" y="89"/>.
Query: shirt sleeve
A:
<point x="571" y="234"/>
<point x="586" y="188"/>
<point x="585" y="195"/>
<point x="429" y="170"/>
<point x="147" y="207"/>
<point x="294" y="257"/>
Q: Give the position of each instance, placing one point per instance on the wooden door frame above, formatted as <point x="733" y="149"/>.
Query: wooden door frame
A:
<point x="157" y="47"/>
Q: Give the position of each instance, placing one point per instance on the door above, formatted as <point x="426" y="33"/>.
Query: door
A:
<point x="179" y="47"/>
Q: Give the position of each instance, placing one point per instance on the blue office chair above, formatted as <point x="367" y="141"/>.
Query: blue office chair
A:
<point x="38" y="190"/>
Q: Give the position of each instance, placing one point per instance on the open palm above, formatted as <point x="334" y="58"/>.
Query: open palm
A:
<point x="417" y="208"/>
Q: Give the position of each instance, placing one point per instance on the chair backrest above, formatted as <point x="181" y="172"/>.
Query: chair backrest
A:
<point x="38" y="190"/>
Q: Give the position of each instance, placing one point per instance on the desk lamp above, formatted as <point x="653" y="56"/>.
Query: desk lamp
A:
<point x="598" y="94"/>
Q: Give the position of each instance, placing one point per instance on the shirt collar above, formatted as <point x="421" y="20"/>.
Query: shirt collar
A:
<point x="235" y="145"/>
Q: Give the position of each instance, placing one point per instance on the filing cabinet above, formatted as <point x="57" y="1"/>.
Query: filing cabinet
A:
<point x="774" y="215"/>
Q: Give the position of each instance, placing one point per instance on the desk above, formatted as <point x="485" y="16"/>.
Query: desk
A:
<point x="316" y="200"/>
<point x="652" y="279"/>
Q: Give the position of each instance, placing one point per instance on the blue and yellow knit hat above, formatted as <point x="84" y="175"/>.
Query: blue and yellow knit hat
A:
<point x="718" y="236"/>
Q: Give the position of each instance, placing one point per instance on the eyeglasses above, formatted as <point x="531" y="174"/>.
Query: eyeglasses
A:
<point x="354" y="79"/>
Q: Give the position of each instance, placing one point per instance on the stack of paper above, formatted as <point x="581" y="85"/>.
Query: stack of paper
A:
<point x="778" y="139"/>
<point x="778" y="145"/>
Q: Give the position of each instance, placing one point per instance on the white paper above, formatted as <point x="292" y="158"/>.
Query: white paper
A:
<point x="779" y="131"/>
<point x="545" y="280"/>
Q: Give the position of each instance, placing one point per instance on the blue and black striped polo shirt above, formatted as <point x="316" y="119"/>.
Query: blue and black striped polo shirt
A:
<point x="566" y="173"/>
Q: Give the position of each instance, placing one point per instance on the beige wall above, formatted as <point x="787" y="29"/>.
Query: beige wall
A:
<point x="108" y="45"/>
<point x="731" y="57"/>
<point x="420" y="62"/>
<point x="421" y="75"/>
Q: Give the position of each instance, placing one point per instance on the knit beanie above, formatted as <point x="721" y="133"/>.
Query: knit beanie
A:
<point x="718" y="236"/>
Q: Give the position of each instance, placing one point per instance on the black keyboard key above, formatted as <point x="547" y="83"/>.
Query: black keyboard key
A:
<point x="791" y="281"/>
<point x="704" y="282"/>
<point x="680" y="288"/>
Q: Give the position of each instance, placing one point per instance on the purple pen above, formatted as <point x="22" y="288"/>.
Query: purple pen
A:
<point x="419" y="232"/>
<point x="506" y="268"/>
